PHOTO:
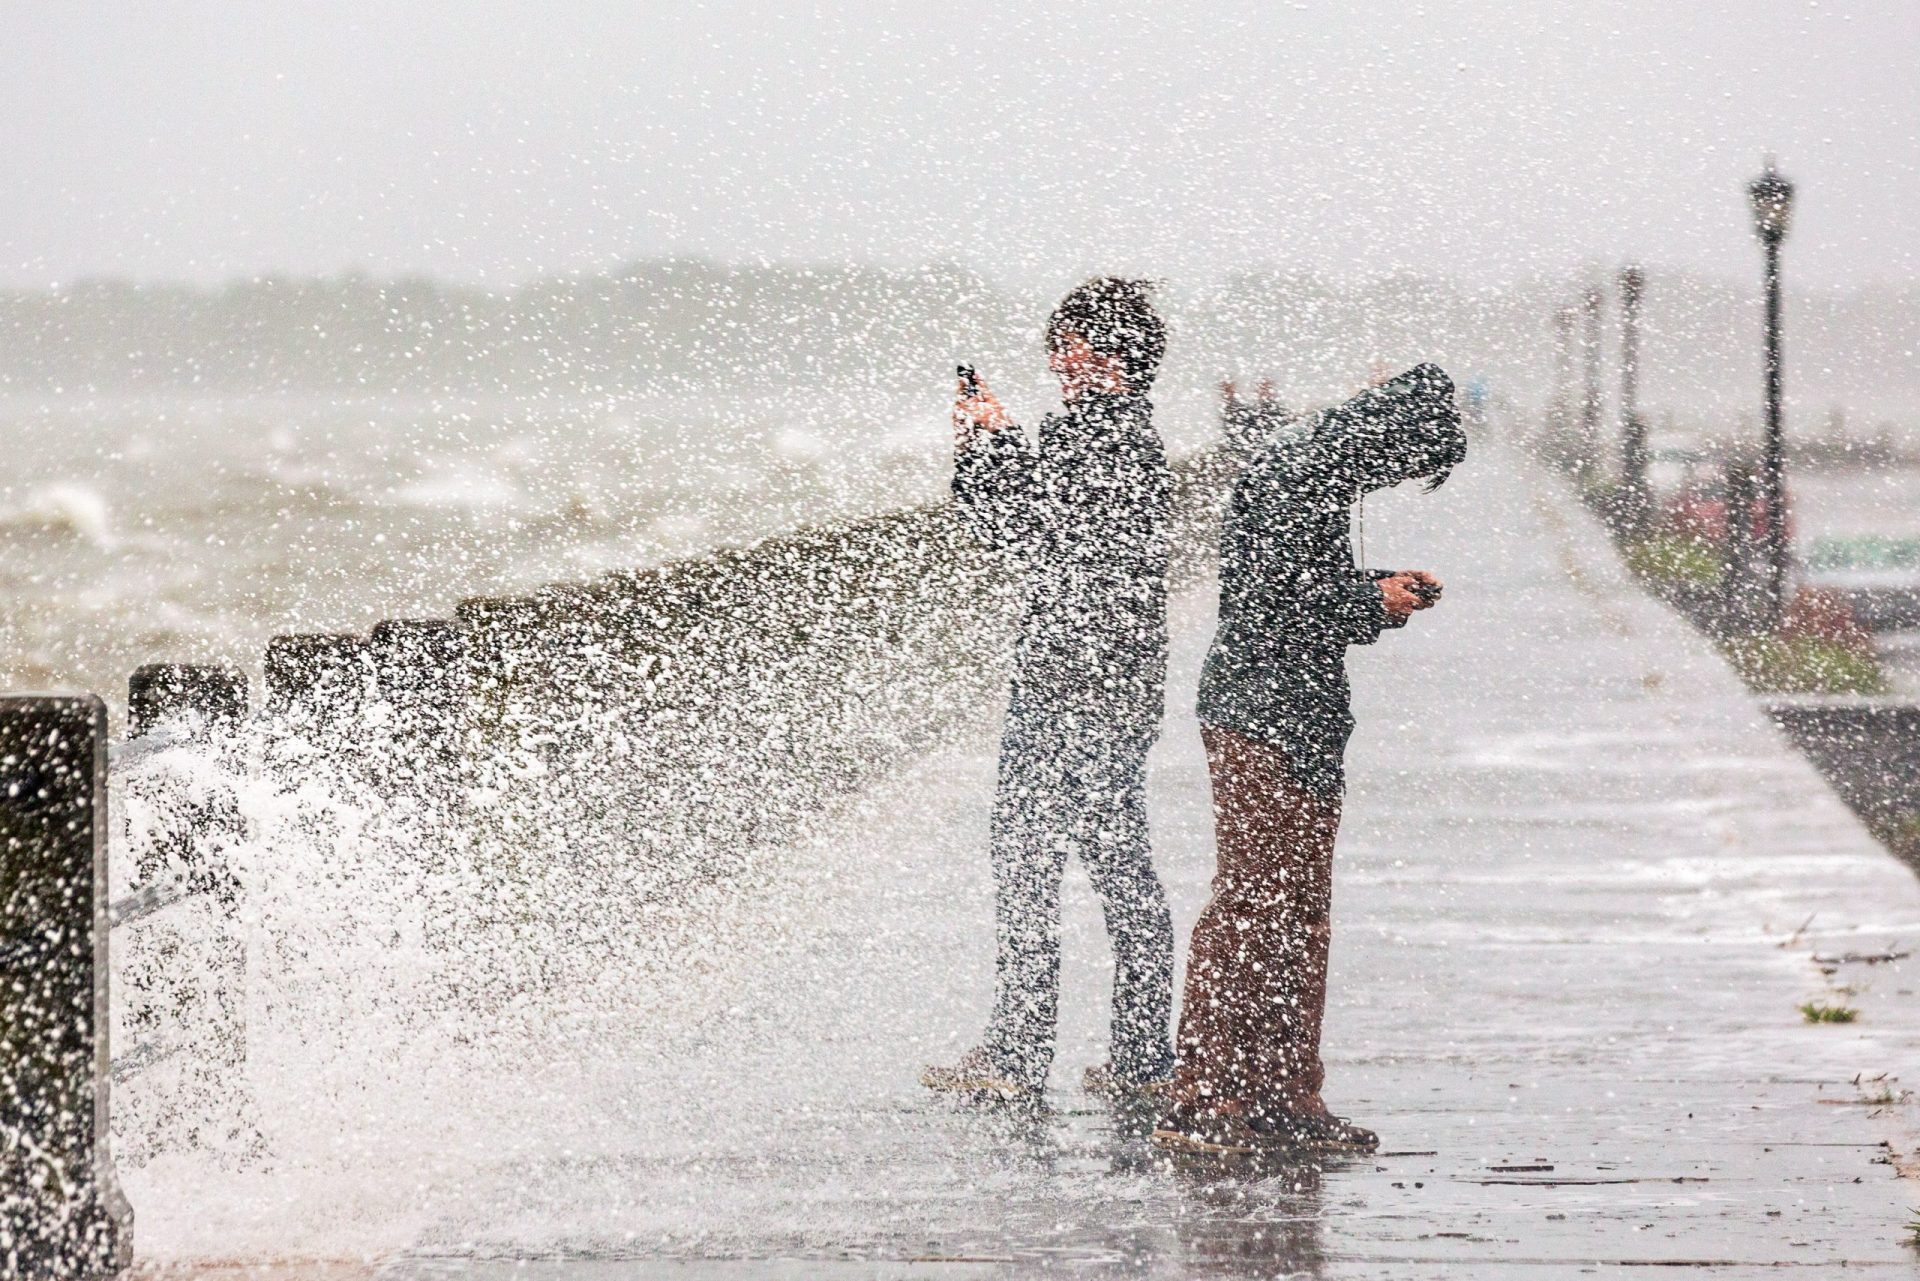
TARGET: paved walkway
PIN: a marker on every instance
(1580, 889)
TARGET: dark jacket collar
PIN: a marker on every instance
(1098, 414)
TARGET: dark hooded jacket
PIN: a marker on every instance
(1291, 599)
(1087, 512)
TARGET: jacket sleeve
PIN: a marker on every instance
(1334, 602)
(1374, 576)
(1406, 427)
(1349, 606)
(993, 485)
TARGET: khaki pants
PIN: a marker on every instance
(1249, 1038)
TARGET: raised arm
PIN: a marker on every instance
(993, 486)
(1347, 605)
(1406, 427)
(993, 466)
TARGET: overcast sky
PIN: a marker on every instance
(491, 141)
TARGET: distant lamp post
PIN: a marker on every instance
(1560, 411)
(1633, 429)
(1772, 198)
(1591, 303)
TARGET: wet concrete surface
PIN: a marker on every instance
(1579, 891)
(1900, 660)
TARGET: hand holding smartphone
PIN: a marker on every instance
(975, 408)
(1408, 591)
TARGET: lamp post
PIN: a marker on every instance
(1633, 429)
(1590, 393)
(1560, 411)
(1772, 199)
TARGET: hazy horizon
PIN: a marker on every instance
(1572, 275)
(493, 143)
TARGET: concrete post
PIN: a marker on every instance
(496, 711)
(421, 677)
(160, 692)
(187, 823)
(177, 825)
(568, 655)
(499, 631)
(60, 1204)
(318, 681)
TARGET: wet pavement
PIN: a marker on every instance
(1580, 891)
(1900, 659)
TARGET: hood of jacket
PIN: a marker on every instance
(1405, 428)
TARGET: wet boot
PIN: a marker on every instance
(1316, 1130)
(1102, 1082)
(976, 1077)
(1208, 1132)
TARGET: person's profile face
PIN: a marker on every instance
(1081, 369)
(1067, 356)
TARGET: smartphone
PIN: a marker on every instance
(969, 382)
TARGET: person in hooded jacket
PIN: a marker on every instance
(1274, 709)
(1246, 425)
(1085, 509)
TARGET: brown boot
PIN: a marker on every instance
(1216, 1132)
(1315, 1129)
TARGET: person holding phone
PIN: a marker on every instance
(1084, 507)
(1275, 716)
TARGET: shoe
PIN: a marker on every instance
(976, 1075)
(1199, 1132)
(1317, 1132)
(1101, 1083)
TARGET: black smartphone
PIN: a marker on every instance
(969, 382)
(1424, 590)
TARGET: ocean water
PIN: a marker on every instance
(194, 530)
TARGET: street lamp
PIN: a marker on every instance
(1772, 198)
(1560, 429)
(1633, 428)
(1591, 302)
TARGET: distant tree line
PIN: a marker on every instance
(653, 324)
(684, 322)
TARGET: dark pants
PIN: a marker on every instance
(1063, 794)
(1257, 969)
